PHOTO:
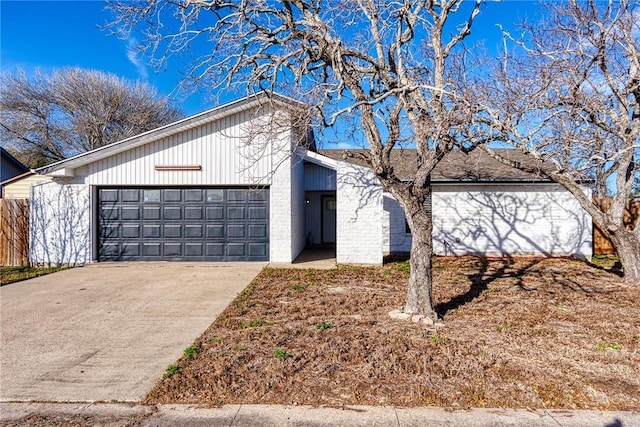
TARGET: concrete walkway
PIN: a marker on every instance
(275, 415)
(317, 258)
(107, 332)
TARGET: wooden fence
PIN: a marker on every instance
(14, 232)
(601, 243)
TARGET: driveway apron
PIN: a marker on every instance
(106, 332)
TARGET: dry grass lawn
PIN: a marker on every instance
(536, 333)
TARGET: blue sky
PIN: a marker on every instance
(54, 34)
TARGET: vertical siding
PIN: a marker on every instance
(218, 147)
(317, 178)
(298, 235)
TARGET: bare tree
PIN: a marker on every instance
(398, 68)
(569, 96)
(51, 117)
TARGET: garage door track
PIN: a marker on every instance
(106, 332)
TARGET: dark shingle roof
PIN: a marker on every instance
(456, 166)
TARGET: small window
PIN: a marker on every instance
(152, 196)
(330, 205)
(214, 196)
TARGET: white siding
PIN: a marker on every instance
(221, 148)
(496, 220)
(21, 188)
(359, 216)
(60, 224)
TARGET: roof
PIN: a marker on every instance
(456, 166)
(18, 177)
(8, 157)
(217, 113)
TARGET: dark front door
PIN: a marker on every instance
(328, 219)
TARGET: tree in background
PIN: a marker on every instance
(568, 95)
(48, 118)
(398, 69)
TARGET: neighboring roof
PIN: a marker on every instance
(6, 156)
(456, 166)
(18, 177)
(217, 113)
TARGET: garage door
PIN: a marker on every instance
(183, 224)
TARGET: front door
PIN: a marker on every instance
(328, 219)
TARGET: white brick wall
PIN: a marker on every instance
(511, 219)
(280, 221)
(394, 236)
(358, 216)
(496, 219)
(60, 224)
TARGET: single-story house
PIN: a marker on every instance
(241, 182)
(10, 167)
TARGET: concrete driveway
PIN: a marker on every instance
(106, 332)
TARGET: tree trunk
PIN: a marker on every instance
(419, 291)
(627, 245)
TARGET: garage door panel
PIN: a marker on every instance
(151, 231)
(193, 249)
(130, 231)
(110, 231)
(215, 196)
(109, 213)
(257, 250)
(258, 196)
(215, 212)
(151, 213)
(257, 213)
(151, 249)
(193, 196)
(172, 195)
(236, 249)
(236, 213)
(215, 231)
(192, 231)
(172, 249)
(193, 213)
(236, 231)
(128, 213)
(109, 195)
(213, 224)
(215, 250)
(170, 213)
(131, 250)
(151, 195)
(235, 196)
(172, 231)
(130, 195)
(257, 231)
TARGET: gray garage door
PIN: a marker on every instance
(183, 224)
